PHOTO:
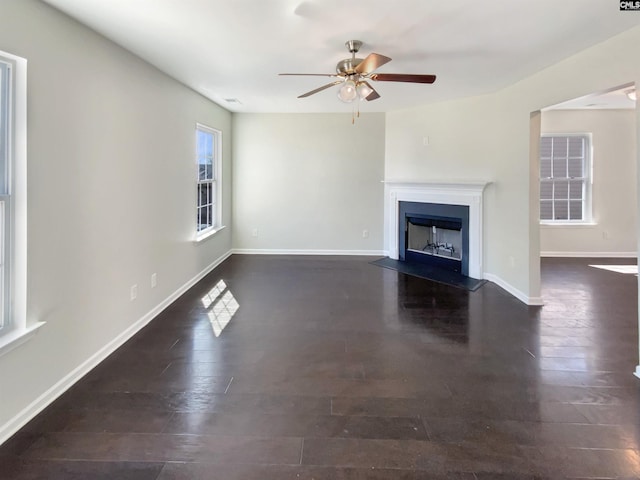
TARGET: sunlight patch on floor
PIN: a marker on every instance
(626, 269)
(221, 306)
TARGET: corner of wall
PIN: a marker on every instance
(523, 297)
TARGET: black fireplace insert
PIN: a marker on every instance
(435, 234)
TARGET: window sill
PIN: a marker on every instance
(568, 224)
(208, 234)
(17, 337)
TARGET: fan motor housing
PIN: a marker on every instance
(348, 65)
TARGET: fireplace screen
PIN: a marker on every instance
(440, 238)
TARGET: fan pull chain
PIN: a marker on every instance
(355, 113)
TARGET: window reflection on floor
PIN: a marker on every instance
(627, 269)
(221, 306)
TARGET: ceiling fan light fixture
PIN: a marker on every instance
(364, 90)
(632, 94)
(353, 75)
(347, 91)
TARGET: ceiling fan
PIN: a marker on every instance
(353, 73)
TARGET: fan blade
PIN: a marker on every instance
(371, 62)
(324, 87)
(373, 95)
(311, 74)
(401, 77)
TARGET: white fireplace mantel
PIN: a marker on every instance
(460, 193)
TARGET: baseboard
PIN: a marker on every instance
(590, 254)
(524, 298)
(33, 409)
(267, 251)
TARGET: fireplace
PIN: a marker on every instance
(435, 234)
(437, 223)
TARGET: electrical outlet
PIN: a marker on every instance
(134, 292)
(365, 233)
(254, 232)
(154, 280)
(605, 235)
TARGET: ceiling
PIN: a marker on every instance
(234, 49)
(614, 99)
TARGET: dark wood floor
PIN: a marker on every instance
(332, 368)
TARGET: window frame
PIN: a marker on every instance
(215, 182)
(7, 109)
(587, 179)
(17, 328)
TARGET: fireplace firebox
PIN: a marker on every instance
(434, 234)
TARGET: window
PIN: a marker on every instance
(13, 203)
(6, 69)
(208, 157)
(565, 178)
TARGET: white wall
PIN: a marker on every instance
(308, 182)
(614, 185)
(111, 197)
(469, 141)
(488, 138)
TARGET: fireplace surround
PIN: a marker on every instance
(444, 195)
